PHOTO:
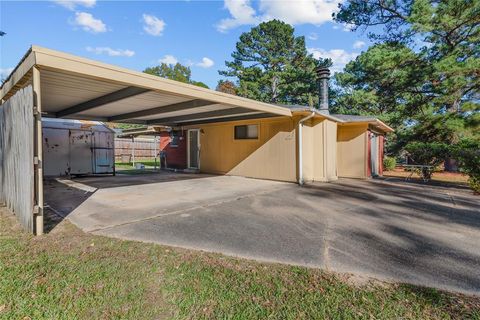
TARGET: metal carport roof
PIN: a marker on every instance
(78, 88)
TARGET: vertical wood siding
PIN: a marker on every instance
(144, 147)
(16, 156)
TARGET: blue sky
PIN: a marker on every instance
(136, 35)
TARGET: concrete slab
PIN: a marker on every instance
(261, 226)
(390, 230)
(110, 207)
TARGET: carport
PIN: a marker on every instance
(48, 83)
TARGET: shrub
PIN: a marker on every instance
(389, 163)
(467, 153)
(474, 183)
(428, 153)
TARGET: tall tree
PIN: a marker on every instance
(388, 80)
(444, 36)
(176, 72)
(424, 69)
(227, 86)
(271, 64)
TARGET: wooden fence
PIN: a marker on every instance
(16, 156)
(142, 148)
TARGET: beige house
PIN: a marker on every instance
(226, 134)
(329, 148)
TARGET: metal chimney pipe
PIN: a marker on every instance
(323, 75)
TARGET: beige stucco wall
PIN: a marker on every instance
(320, 150)
(274, 154)
(271, 156)
(331, 147)
(352, 151)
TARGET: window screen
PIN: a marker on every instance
(246, 132)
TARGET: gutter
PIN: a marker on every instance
(300, 147)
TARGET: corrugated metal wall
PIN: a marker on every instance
(16, 156)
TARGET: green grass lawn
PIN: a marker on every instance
(128, 168)
(147, 163)
(68, 274)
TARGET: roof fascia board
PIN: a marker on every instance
(23, 67)
(375, 123)
(354, 123)
(376, 129)
(384, 126)
(62, 61)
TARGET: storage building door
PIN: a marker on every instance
(81, 152)
(103, 152)
(56, 152)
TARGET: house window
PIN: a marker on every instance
(174, 137)
(246, 132)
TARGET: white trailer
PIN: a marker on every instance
(76, 147)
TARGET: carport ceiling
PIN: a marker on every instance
(78, 88)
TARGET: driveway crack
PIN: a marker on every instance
(196, 207)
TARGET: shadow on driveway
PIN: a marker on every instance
(427, 235)
(388, 229)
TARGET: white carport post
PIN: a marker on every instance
(155, 150)
(133, 151)
(37, 153)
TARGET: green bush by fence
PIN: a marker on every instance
(389, 163)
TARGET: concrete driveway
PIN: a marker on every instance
(386, 229)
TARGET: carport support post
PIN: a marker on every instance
(133, 151)
(37, 154)
(155, 150)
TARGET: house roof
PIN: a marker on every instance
(343, 118)
(354, 118)
(299, 108)
(78, 88)
(370, 120)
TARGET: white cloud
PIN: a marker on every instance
(241, 12)
(153, 25)
(168, 59)
(358, 44)
(339, 57)
(313, 36)
(5, 72)
(111, 52)
(72, 4)
(206, 63)
(314, 12)
(347, 27)
(89, 23)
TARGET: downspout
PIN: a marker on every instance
(300, 147)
